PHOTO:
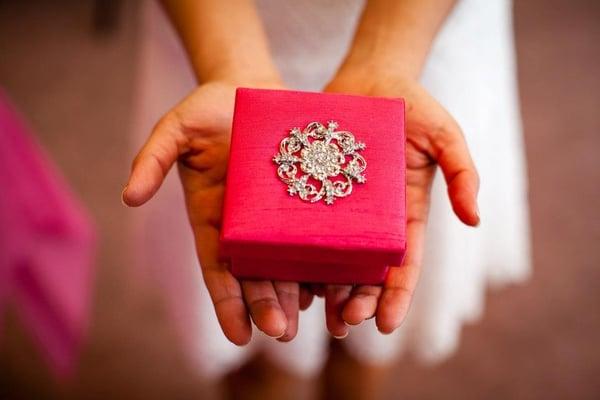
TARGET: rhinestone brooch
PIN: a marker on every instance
(328, 159)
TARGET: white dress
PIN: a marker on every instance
(471, 71)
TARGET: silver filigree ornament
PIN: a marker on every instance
(328, 159)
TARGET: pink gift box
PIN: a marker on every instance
(268, 233)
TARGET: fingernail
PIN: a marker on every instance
(278, 337)
(341, 336)
(123, 196)
(478, 215)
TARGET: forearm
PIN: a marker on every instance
(396, 35)
(224, 39)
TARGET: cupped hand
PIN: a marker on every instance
(196, 134)
(433, 138)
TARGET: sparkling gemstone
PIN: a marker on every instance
(322, 154)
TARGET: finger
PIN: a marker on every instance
(288, 296)
(318, 289)
(264, 306)
(153, 162)
(223, 287)
(401, 281)
(452, 154)
(306, 297)
(362, 304)
(335, 299)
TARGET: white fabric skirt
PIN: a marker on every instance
(471, 71)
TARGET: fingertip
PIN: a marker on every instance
(318, 290)
(306, 303)
(273, 323)
(464, 204)
(463, 189)
(336, 297)
(287, 336)
(469, 218)
(305, 298)
(388, 322)
(351, 314)
(392, 310)
(289, 294)
(239, 339)
(342, 336)
(340, 330)
(123, 200)
(362, 304)
(140, 188)
(230, 310)
(131, 196)
(238, 330)
(386, 329)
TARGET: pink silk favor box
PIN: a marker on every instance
(268, 233)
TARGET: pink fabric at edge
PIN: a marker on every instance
(47, 246)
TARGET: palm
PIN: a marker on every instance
(433, 137)
(196, 133)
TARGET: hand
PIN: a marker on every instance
(196, 134)
(433, 138)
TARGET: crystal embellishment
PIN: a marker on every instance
(320, 162)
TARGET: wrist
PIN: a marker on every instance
(371, 63)
(394, 37)
(240, 73)
(368, 74)
(242, 79)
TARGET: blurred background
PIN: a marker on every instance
(70, 70)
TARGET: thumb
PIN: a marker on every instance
(459, 170)
(153, 162)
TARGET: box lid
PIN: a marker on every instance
(262, 220)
